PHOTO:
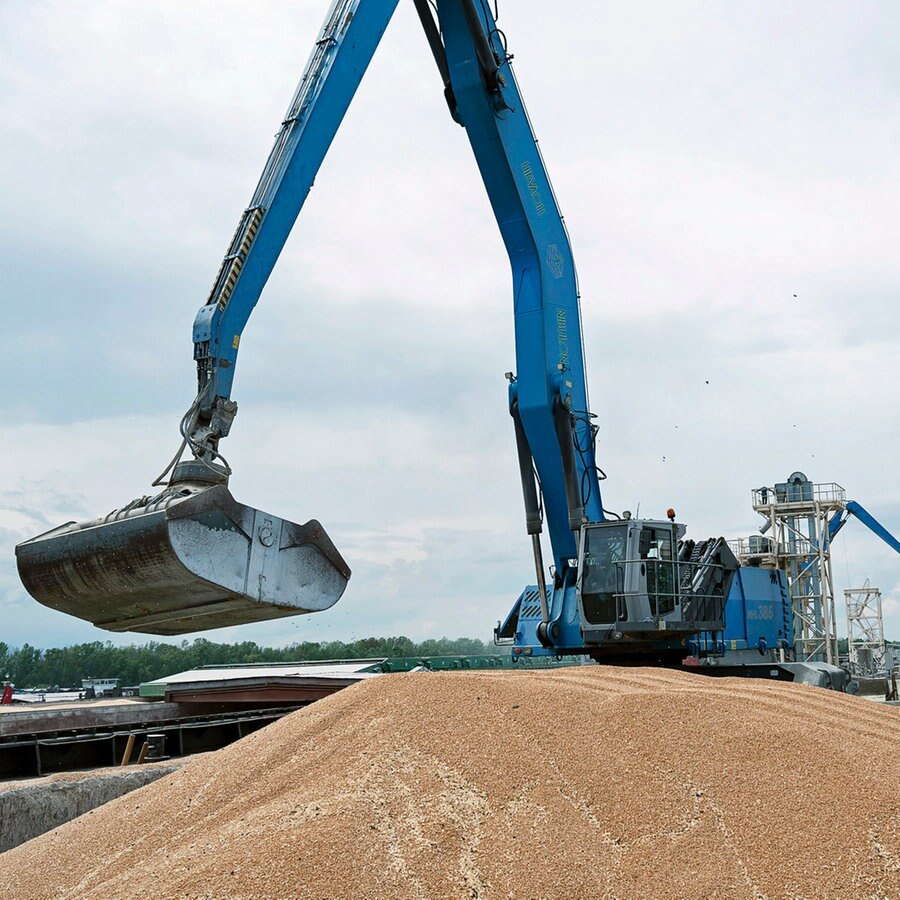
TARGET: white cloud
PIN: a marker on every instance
(711, 161)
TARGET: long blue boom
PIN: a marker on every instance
(349, 38)
(192, 557)
(548, 393)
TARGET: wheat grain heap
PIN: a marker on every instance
(580, 782)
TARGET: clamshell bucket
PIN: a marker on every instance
(189, 559)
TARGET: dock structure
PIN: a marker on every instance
(191, 712)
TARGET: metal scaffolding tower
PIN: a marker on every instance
(865, 631)
(804, 518)
(799, 514)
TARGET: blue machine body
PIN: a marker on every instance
(758, 613)
(758, 622)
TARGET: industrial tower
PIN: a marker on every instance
(801, 518)
(804, 519)
(865, 631)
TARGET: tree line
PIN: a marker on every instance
(31, 667)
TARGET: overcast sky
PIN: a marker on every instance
(729, 176)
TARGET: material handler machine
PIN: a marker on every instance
(191, 557)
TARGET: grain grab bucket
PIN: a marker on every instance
(189, 559)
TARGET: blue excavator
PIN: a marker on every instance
(190, 557)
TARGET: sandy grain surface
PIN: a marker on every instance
(583, 782)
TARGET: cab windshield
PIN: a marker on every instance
(602, 572)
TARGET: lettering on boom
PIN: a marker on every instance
(531, 183)
(562, 335)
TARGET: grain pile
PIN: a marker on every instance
(583, 782)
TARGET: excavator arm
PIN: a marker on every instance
(191, 557)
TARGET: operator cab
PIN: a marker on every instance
(637, 577)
